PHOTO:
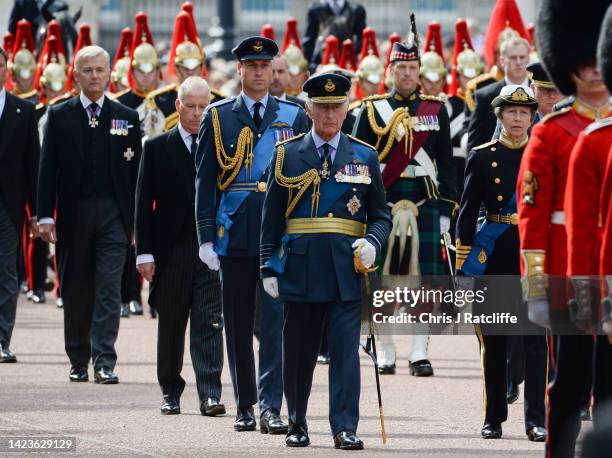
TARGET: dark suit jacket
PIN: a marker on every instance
(233, 117)
(19, 153)
(483, 121)
(349, 24)
(62, 165)
(319, 267)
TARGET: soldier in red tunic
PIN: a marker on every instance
(578, 372)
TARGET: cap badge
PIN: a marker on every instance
(258, 46)
(329, 86)
(519, 95)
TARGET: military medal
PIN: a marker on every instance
(93, 122)
(353, 205)
(128, 154)
(324, 172)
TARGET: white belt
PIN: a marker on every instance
(412, 171)
(557, 217)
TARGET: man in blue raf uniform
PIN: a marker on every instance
(237, 140)
(325, 198)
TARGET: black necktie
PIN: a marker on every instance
(326, 153)
(194, 144)
(256, 115)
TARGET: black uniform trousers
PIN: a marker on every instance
(130, 280)
(9, 289)
(305, 323)
(584, 365)
(188, 290)
(39, 259)
(91, 285)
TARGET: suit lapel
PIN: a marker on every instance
(78, 114)
(108, 113)
(344, 154)
(308, 152)
(7, 122)
(269, 114)
(243, 113)
(179, 154)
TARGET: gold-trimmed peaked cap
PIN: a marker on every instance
(256, 48)
(515, 94)
(539, 76)
(327, 88)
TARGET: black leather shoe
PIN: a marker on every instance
(512, 392)
(245, 419)
(38, 296)
(387, 369)
(105, 376)
(135, 308)
(421, 368)
(153, 312)
(297, 436)
(347, 440)
(211, 407)
(170, 405)
(323, 358)
(585, 414)
(6, 355)
(125, 311)
(271, 423)
(490, 431)
(537, 434)
(78, 374)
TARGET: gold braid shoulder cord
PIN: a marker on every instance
(401, 116)
(233, 163)
(301, 182)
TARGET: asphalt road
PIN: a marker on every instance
(438, 416)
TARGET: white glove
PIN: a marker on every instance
(208, 256)
(538, 312)
(270, 285)
(444, 224)
(368, 252)
(465, 283)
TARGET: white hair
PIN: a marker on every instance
(190, 84)
(89, 52)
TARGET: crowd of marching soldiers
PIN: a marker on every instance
(457, 104)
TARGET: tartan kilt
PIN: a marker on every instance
(428, 221)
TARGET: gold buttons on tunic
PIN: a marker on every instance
(497, 181)
(500, 198)
(493, 164)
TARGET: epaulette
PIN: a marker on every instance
(163, 90)
(357, 140)
(473, 83)
(60, 98)
(432, 98)
(485, 145)
(371, 98)
(599, 124)
(355, 104)
(116, 95)
(288, 102)
(290, 139)
(217, 94)
(554, 114)
(218, 103)
(27, 95)
(39, 106)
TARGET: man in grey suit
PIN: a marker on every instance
(182, 287)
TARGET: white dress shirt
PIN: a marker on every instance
(85, 101)
(319, 142)
(2, 100)
(250, 103)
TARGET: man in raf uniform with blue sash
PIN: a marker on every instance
(237, 139)
(325, 198)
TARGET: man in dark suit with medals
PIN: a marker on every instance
(18, 169)
(237, 140)
(87, 179)
(325, 198)
(182, 286)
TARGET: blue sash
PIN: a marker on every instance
(484, 242)
(331, 191)
(262, 155)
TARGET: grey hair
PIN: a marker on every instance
(513, 41)
(89, 52)
(191, 83)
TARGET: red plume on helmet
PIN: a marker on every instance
(504, 14)
(187, 7)
(267, 31)
(347, 59)
(531, 28)
(393, 38)
(8, 40)
(84, 39)
(23, 38)
(368, 45)
(142, 34)
(184, 30)
(331, 55)
(53, 30)
(123, 50)
(291, 35)
(462, 41)
(433, 40)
